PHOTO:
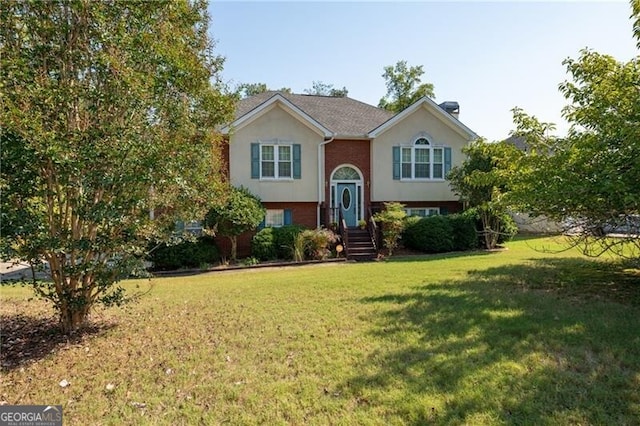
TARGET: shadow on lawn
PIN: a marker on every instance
(25, 339)
(523, 344)
(421, 257)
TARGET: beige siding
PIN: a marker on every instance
(276, 124)
(384, 188)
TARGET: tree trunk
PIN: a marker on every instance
(234, 248)
(72, 300)
(73, 318)
(490, 229)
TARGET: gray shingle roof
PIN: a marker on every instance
(519, 142)
(343, 116)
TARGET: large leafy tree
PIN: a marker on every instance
(241, 212)
(589, 179)
(246, 90)
(108, 113)
(324, 89)
(482, 182)
(404, 86)
(635, 16)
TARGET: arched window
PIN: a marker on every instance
(346, 173)
(422, 160)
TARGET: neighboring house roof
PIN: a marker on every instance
(518, 142)
(340, 117)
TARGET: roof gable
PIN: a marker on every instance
(435, 109)
(277, 99)
(341, 116)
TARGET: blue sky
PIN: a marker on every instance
(488, 56)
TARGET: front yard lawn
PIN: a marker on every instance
(512, 337)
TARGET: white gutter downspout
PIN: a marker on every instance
(321, 177)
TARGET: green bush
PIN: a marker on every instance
(508, 226)
(263, 244)
(188, 254)
(407, 233)
(275, 243)
(465, 236)
(432, 234)
(314, 244)
(391, 220)
(283, 240)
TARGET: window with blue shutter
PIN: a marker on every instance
(275, 218)
(276, 159)
(396, 163)
(255, 161)
(447, 161)
(421, 161)
(297, 161)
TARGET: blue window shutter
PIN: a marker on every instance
(262, 224)
(288, 217)
(447, 161)
(396, 163)
(297, 163)
(255, 161)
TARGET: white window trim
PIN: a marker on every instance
(436, 210)
(359, 195)
(273, 224)
(275, 143)
(431, 147)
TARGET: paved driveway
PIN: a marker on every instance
(13, 271)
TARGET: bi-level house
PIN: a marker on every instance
(320, 160)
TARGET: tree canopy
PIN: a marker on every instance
(246, 90)
(482, 182)
(109, 113)
(323, 89)
(241, 212)
(588, 179)
(404, 86)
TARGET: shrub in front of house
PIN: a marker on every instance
(275, 243)
(432, 234)
(508, 227)
(314, 244)
(284, 238)
(187, 254)
(263, 246)
(465, 236)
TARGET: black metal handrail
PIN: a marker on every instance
(373, 229)
(343, 231)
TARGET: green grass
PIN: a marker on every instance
(519, 336)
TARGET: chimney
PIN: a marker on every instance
(452, 107)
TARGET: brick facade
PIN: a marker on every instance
(354, 152)
(303, 214)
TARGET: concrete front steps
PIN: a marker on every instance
(360, 246)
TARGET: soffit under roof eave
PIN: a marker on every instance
(352, 137)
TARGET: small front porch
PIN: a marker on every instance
(360, 239)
